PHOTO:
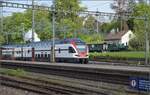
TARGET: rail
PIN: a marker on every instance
(44, 87)
(114, 75)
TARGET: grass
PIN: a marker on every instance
(12, 72)
(121, 55)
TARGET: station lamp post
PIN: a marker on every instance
(1, 17)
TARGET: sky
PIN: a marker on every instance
(92, 5)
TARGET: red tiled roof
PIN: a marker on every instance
(115, 36)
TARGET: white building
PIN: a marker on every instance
(120, 37)
(28, 36)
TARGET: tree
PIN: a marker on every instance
(13, 25)
(141, 9)
(66, 16)
(1, 39)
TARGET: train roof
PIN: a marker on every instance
(75, 40)
(11, 46)
(46, 43)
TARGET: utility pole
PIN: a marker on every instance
(97, 16)
(22, 27)
(53, 24)
(1, 18)
(33, 23)
(146, 41)
(7, 34)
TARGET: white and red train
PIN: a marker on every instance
(67, 50)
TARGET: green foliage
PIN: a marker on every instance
(89, 24)
(13, 25)
(141, 9)
(119, 55)
(68, 22)
(136, 44)
(12, 72)
(93, 38)
(1, 39)
(68, 25)
(107, 27)
(72, 6)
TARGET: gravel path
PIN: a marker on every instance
(13, 91)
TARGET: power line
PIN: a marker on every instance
(45, 8)
(52, 0)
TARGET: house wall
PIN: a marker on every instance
(127, 37)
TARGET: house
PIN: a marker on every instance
(122, 37)
(28, 36)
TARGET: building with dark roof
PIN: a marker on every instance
(122, 37)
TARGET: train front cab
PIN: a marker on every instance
(82, 51)
(71, 53)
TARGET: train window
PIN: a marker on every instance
(71, 50)
(48, 55)
(45, 55)
(19, 51)
(38, 55)
(42, 55)
(28, 51)
(59, 50)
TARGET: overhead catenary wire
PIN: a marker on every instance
(45, 8)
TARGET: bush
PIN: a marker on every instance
(136, 44)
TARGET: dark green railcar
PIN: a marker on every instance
(116, 47)
(106, 47)
(95, 47)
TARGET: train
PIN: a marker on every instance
(105, 47)
(66, 50)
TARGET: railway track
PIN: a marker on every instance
(73, 72)
(117, 64)
(44, 87)
(113, 76)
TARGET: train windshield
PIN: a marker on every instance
(81, 48)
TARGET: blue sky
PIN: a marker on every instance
(92, 5)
